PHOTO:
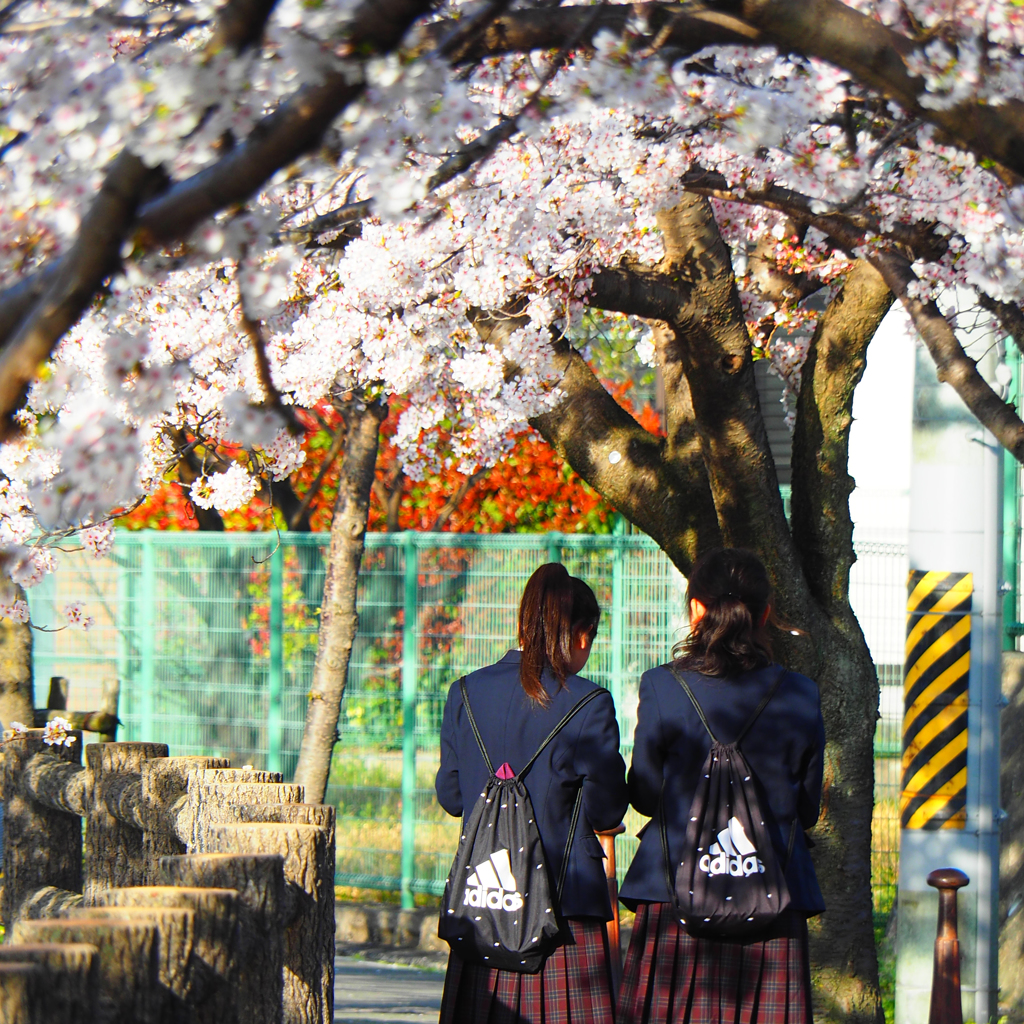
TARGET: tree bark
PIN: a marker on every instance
(338, 616)
(71, 979)
(42, 845)
(216, 956)
(259, 883)
(20, 988)
(308, 974)
(127, 962)
(115, 855)
(16, 697)
(717, 457)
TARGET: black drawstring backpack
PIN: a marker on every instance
(498, 907)
(729, 883)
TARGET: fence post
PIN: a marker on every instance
(554, 540)
(147, 638)
(275, 677)
(618, 633)
(409, 681)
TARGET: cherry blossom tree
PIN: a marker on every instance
(216, 215)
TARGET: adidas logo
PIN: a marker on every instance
(734, 854)
(493, 885)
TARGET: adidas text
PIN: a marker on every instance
(734, 854)
(492, 885)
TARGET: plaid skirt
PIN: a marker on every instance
(671, 977)
(573, 987)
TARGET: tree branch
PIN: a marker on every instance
(953, 364)
(314, 488)
(455, 500)
(95, 255)
(822, 527)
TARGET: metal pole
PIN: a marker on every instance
(410, 669)
(949, 804)
(147, 640)
(946, 1004)
(275, 674)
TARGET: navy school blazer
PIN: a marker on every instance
(785, 747)
(585, 753)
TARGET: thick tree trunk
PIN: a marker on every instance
(16, 698)
(338, 616)
(716, 457)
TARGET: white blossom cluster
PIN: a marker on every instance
(521, 235)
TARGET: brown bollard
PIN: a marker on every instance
(946, 1007)
(607, 840)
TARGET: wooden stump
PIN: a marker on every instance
(308, 979)
(71, 979)
(47, 902)
(127, 951)
(259, 881)
(114, 853)
(215, 961)
(175, 942)
(200, 780)
(227, 803)
(164, 784)
(42, 846)
(20, 987)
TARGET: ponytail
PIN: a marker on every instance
(732, 635)
(555, 609)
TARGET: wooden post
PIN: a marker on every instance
(308, 980)
(231, 803)
(20, 985)
(127, 950)
(58, 698)
(42, 846)
(111, 693)
(216, 955)
(199, 782)
(70, 991)
(114, 850)
(946, 1007)
(259, 881)
(164, 785)
(607, 841)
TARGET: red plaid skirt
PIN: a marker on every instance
(670, 977)
(573, 987)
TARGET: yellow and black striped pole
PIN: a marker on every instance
(938, 660)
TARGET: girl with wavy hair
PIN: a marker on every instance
(670, 975)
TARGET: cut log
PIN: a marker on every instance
(164, 787)
(42, 846)
(127, 950)
(20, 985)
(114, 853)
(259, 881)
(308, 979)
(48, 902)
(176, 928)
(216, 959)
(110, 696)
(199, 781)
(226, 803)
(56, 783)
(71, 979)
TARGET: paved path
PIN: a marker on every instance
(366, 992)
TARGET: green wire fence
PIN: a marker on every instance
(213, 637)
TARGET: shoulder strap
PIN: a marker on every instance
(569, 716)
(753, 718)
(472, 725)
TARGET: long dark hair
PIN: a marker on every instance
(732, 635)
(555, 608)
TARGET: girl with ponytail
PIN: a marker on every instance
(671, 976)
(516, 703)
